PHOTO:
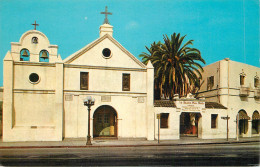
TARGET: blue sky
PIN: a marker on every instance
(219, 28)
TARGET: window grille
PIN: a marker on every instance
(126, 82)
(83, 80)
(164, 120)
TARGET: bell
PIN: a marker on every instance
(44, 55)
(25, 54)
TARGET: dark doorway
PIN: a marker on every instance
(243, 122)
(255, 123)
(105, 122)
(190, 124)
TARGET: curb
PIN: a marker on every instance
(141, 145)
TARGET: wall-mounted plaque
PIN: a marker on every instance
(105, 98)
(140, 99)
(68, 97)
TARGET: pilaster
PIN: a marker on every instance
(149, 102)
(224, 81)
(249, 133)
(8, 113)
(59, 120)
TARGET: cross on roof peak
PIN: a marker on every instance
(35, 25)
(106, 13)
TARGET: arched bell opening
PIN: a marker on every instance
(44, 56)
(255, 123)
(243, 122)
(190, 124)
(105, 122)
(24, 55)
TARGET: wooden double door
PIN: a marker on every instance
(105, 122)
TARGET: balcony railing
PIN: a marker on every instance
(257, 93)
(244, 91)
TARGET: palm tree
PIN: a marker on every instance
(177, 68)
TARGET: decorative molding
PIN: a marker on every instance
(219, 89)
(223, 95)
(34, 91)
(34, 127)
(43, 64)
(104, 92)
(104, 68)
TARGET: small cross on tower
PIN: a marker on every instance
(35, 25)
(106, 13)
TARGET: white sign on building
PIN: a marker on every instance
(190, 106)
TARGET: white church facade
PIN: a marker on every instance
(43, 95)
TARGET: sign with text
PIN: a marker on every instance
(190, 106)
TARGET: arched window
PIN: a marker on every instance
(255, 123)
(256, 82)
(44, 56)
(34, 40)
(24, 55)
(242, 78)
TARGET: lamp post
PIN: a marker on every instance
(89, 101)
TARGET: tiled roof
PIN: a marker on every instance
(164, 103)
(169, 103)
(214, 105)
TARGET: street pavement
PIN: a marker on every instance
(81, 142)
(232, 154)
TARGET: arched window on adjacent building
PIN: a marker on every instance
(256, 82)
(24, 55)
(255, 123)
(243, 122)
(44, 56)
(242, 78)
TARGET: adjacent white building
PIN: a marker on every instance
(236, 86)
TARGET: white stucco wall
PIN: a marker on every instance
(220, 130)
(32, 111)
(130, 115)
(227, 75)
(173, 130)
(106, 80)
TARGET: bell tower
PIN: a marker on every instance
(34, 46)
(106, 28)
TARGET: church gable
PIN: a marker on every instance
(105, 51)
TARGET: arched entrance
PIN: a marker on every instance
(255, 122)
(243, 122)
(105, 122)
(190, 124)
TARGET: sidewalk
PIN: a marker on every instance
(75, 143)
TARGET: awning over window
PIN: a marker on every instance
(256, 116)
(243, 115)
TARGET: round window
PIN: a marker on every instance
(106, 52)
(34, 78)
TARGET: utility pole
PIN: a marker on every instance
(158, 117)
(226, 118)
(237, 126)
